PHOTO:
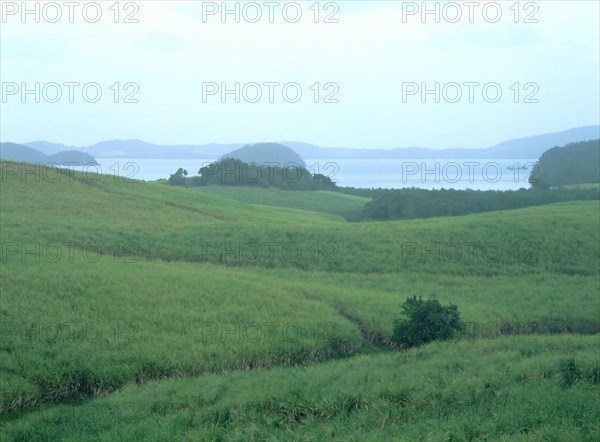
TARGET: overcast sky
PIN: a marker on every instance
(374, 61)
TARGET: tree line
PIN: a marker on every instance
(412, 203)
(233, 172)
(575, 163)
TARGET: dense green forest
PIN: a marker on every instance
(572, 164)
(421, 203)
(233, 172)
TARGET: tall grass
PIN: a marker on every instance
(108, 284)
(501, 390)
(160, 222)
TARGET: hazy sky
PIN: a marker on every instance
(375, 61)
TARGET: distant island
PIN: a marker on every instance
(260, 165)
(266, 153)
(518, 148)
(25, 154)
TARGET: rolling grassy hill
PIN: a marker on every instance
(505, 389)
(334, 203)
(154, 221)
(108, 284)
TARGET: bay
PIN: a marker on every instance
(459, 174)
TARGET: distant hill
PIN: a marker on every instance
(25, 154)
(21, 154)
(262, 153)
(518, 148)
(574, 163)
(72, 156)
(49, 148)
(534, 147)
(142, 149)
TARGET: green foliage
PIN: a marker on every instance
(426, 321)
(569, 372)
(173, 224)
(572, 372)
(572, 164)
(69, 331)
(322, 201)
(583, 186)
(421, 203)
(233, 172)
(178, 178)
(464, 391)
(135, 354)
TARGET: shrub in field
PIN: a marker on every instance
(570, 373)
(426, 321)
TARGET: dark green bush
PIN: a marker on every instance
(178, 178)
(570, 373)
(426, 321)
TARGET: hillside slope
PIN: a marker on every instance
(108, 282)
(174, 224)
(334, 203)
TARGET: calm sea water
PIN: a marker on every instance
(483, 174)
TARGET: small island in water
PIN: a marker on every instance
(257, 165)
(24, 154)
(273, 154)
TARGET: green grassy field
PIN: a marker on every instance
(504, 389)
(583, 186)
(155, 221)
(334, 203)
(214, 315)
